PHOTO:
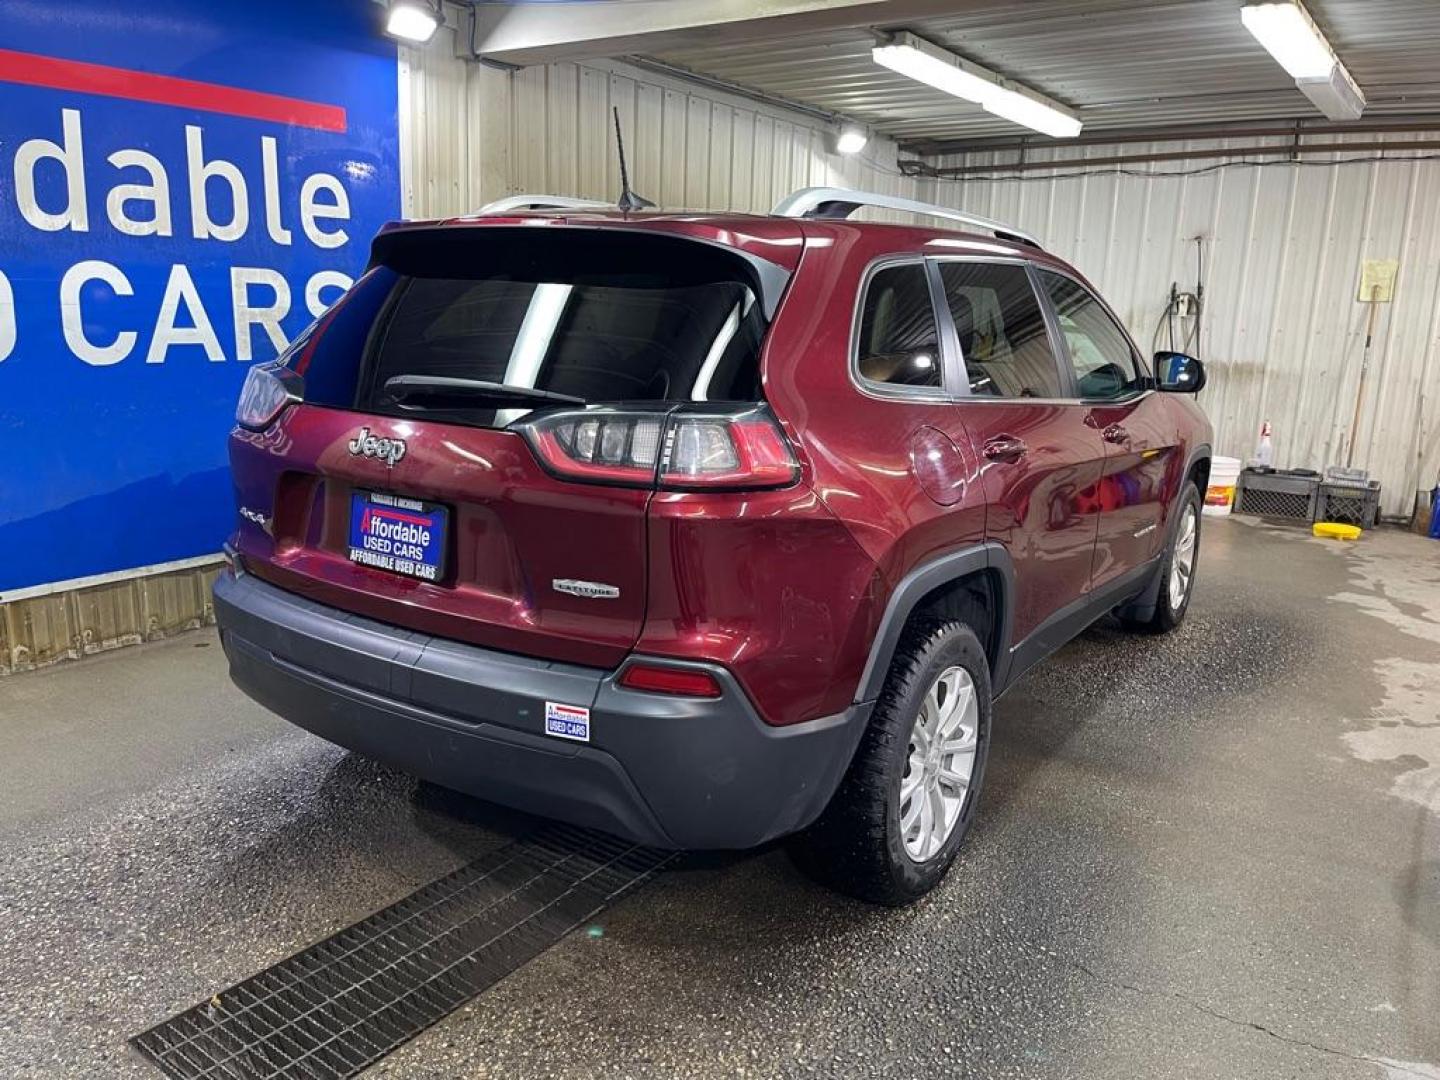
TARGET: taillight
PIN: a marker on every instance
(747, 450)
(607, 445)
(686, 682)
(268, 389)
(689, 447)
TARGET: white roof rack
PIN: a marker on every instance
(511, 203)
(831, 202)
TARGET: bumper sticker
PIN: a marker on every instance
(567, 721)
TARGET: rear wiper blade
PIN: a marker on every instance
(440, 388)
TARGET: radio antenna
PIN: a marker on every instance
(628, 199)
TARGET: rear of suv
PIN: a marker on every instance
(703, 530)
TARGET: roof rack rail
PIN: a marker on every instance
(832, 202)
(540, 202)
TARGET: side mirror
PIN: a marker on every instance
(1176, 373)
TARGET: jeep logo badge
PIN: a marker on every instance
(387, 450)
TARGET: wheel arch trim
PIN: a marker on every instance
(919, 583)
(1197, 454)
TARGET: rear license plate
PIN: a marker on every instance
(404, 536)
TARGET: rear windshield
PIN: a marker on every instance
(605, 318)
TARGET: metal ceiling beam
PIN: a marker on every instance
(1393, 124)
(545, 33)
(958, 172)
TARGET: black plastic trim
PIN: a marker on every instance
(667, 771)
(1074, 617)
(923, 580)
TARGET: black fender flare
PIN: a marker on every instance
(1197, 454)
(920, 582)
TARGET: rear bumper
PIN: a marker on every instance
(666, 771)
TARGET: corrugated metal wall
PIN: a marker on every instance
(1283, 331)
(471, 134)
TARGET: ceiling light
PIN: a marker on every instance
(1026, 111)
(924, 66)
(851, 140)
(918, 59)
(1291, 37)
(411, 21)
(1337, 96)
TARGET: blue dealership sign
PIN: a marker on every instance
(183, 187)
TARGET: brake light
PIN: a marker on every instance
(727, 451)
(690, 447)
(685, 682)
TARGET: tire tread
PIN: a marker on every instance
(848, 848)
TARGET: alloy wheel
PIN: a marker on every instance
(1182, 563)
(940, 765)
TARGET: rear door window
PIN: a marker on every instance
(1004, 342)
(899, 344)
(1105, 364)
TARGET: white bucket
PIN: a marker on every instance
(1220, 494)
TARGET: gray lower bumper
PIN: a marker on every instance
(665, 771)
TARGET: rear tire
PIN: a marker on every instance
(894, 826)
(1177, 570)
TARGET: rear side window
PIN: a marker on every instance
(899, 344)
(601, 316)
(1003, 338)
(1104, 363)
(328, 352)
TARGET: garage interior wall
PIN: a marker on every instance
(470, 134)
(1283, 326)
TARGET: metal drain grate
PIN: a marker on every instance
(338, 1006)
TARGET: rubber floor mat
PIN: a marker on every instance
(346, 1002)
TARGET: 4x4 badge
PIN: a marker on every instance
(387, 450)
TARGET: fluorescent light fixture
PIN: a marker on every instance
(411, 21)
(851, 140)
(1291, 37)
(919, 62)
(1337, 97)
(1020, 108)
(918, 59)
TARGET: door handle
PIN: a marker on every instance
(1115, 434)
(1004, 448)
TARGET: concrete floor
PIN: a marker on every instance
(1214, 854)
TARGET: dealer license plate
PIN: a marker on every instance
(403, 536)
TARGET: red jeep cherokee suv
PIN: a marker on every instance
(704, 529)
